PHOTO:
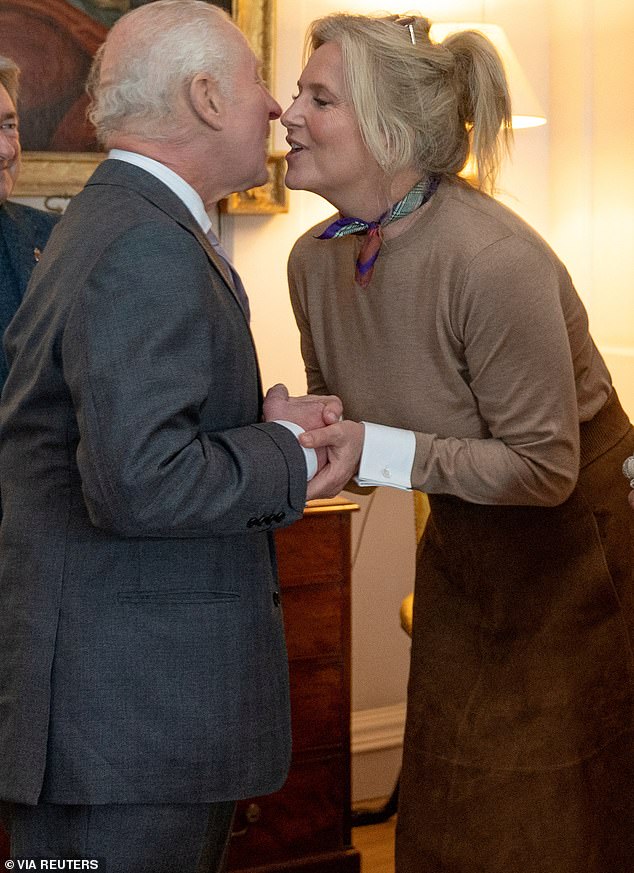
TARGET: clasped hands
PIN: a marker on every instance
(338, 444)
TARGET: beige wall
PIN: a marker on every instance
(592, 190)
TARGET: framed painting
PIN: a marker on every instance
(54, 42)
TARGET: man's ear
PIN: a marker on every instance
(206, 100)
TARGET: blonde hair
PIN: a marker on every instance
(9, 77)
(424, 105)
(174, 40)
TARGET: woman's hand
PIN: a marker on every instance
(343, 443)
(310, 412)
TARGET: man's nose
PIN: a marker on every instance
(275, 110)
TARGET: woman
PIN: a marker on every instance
(450, 322)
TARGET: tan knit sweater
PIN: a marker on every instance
(471, 334)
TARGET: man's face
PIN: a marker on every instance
(9, 145)
(252, 109)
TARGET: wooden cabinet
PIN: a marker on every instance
(305, 827)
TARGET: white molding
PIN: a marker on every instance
(619, 351)
(377, 742)
(373, 730)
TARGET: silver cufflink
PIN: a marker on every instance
(628, 469)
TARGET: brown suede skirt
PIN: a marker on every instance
(519, 745)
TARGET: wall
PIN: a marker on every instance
(383, 530)
(592, 191)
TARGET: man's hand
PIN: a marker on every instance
(343, 442)
(310, 411)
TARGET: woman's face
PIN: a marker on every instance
(328, 155)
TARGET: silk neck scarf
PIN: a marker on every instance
(414, 199)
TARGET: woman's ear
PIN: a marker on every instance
(206, 100)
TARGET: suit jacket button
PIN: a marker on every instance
(276, 598)
(279, 516)
(252, 522)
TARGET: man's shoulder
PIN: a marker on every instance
(119, 191)
(28, 217)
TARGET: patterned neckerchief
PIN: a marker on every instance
(414, 199)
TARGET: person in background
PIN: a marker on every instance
(461, 353)
(143, 669)
(24, 231)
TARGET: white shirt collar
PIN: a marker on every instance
(174, 182)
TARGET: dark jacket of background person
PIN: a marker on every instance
(23, 234)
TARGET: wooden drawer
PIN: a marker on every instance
(317, 717)
(304, 818)
(313, 619)
(314, 549)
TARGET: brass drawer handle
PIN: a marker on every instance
(252, 815)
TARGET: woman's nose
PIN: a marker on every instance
(289, 116)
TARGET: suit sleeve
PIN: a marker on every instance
(142, 345)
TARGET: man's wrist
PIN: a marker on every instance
(309, 454)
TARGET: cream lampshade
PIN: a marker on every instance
(527, 111)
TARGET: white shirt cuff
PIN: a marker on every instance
(309, 454)
(387, 457)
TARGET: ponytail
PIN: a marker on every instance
(484, 103)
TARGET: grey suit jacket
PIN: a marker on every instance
(142, 654)
(23, 234)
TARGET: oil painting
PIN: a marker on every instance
(53, 43)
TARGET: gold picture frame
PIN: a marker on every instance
(63, 174)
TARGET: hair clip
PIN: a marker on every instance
(408, 22)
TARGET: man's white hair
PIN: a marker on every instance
(172, 41)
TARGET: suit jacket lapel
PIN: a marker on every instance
(214, 257)
(113, 172)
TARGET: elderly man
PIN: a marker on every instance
(23, 231)
(143, 674)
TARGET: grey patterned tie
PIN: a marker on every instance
(238, 287)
